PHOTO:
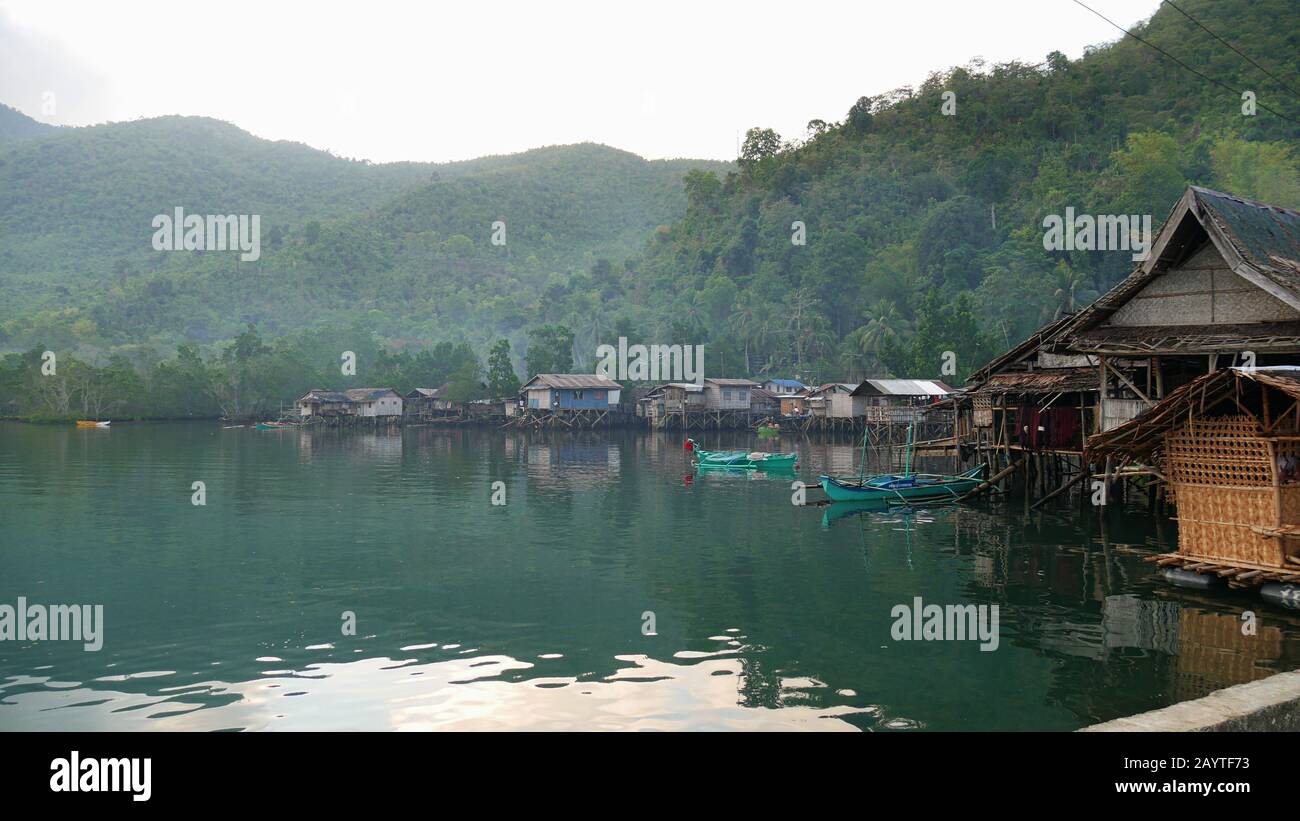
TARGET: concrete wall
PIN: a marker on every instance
(1270, 704)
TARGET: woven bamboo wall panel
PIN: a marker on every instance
(1223, 451)
(1289, 504)
(1214, 525)
(983, 415)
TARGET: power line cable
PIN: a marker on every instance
(1181, 63)
(1245, 56)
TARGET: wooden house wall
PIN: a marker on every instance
(539, 398)
(847, 406)
(734, 398)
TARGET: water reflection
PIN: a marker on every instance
(529, 615)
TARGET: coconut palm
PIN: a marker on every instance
(801, 307)
(1070, 291)
(883, 322)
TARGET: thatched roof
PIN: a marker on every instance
(1040, 338)
(1140, 436)
(1257, 241)
(1049, 380)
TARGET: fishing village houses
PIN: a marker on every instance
(1178, 388)
(571, 400)
(1182, 381)
(375, 405)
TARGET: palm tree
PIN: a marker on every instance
(801, 307)
(1070, 291)
(882, 322)
(743, 321)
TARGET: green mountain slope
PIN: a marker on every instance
(16, 127)
(924, 231)
(81, 199)
(403, 246)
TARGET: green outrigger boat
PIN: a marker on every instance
(903, 487)
(742, 459)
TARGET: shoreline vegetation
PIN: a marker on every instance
(251, 380)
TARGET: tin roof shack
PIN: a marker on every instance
(375, 402)
(320, 402)
(784, 387)
(674, 398)
(571, 392)
(763, 401)
(727, 394)
(419, 403)
(820, 398)
(428, 403)
(891, 400)
(1228, 446)
(793, 404)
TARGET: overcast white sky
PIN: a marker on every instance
(446, 81)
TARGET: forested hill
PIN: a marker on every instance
(80, 200)
(403, 248)
(16, 127)
(924, 231)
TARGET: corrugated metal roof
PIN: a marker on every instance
(571, 381)
(731, 382)
(827, 387)
(368, 394)
(322, 395)
(904, 387)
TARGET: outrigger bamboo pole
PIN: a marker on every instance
(1062, 489)
(1002, 474)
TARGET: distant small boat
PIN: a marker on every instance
(273, 425)
(86, 423)
(742, 459)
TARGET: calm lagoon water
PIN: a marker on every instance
(530, 615)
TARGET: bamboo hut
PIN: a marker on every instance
(1228, 446)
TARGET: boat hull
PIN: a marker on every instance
(921, 487)
(777, 461)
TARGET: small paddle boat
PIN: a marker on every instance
(87, 423)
